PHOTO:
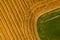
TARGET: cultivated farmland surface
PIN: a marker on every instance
(18, 18)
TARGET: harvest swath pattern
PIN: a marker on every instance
(18, 18)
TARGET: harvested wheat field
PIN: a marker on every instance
(29, 19)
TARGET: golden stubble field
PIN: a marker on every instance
(18, 18)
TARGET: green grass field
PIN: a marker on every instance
(48, 25)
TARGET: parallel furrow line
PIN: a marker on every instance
(15, 18)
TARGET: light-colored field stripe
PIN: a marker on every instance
(11, 27)
(3, 27)
(52, 18)
(2, 35)
(13, 24)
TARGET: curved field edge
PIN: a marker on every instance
(41, 20)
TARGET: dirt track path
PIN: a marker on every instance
(18, 18)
